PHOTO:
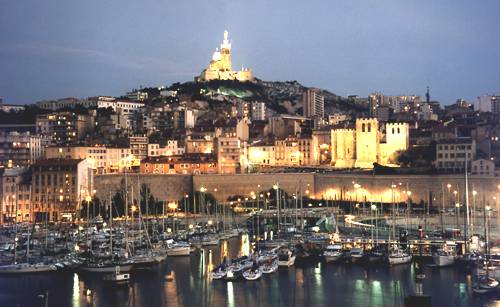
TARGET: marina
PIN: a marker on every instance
(186, 281)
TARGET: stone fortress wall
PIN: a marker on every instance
(321, 186)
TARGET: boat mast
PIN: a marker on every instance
(110, 226)
(466, 204)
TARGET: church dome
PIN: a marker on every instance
(216, 56)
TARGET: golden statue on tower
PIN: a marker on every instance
(220, 67)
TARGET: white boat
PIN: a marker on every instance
(399, 256)
(266, 256)
(117, 276)
(174, 249)
(444, 258)
(252, 274)
(333, 253)
(356, 254)
(219, 272)
(26, 268)
(269, 268)
(286, 258)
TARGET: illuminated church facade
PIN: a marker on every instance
(220, 67)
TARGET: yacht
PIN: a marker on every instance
(399, 256)
(286, 258)
(26, 268)
(333, 253)
(356, 254)
(444, 257)
(253, 274)
(174, 249)
(269, 268)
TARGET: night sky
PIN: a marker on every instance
(53, 49)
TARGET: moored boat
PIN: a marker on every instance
(269, 268)
(286, 258)
(333, 253)
(356, 254)
(27, 268)
(253, 274)
(117, 276)
(398, 256)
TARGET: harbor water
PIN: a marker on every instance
(184, 281)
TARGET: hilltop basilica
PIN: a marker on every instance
(220, 66)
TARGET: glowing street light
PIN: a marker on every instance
(374, 207)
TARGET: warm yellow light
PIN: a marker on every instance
(457, 205)
(275, 186)
(209, 222)
(357, 186)
(448, 185)
(474, 193)
(172, 206)
(455, 192)
(87, 198)
(134, 208)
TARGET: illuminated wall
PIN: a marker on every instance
(367, 142)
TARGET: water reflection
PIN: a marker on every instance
(76, 291)
(245, 245)
(230, 294)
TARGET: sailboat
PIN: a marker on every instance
(445, 256)
(25, 267)
(485, 283)
(396, 255)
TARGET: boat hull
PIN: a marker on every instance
(441, 261)
(106, 269)
(14, 269)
